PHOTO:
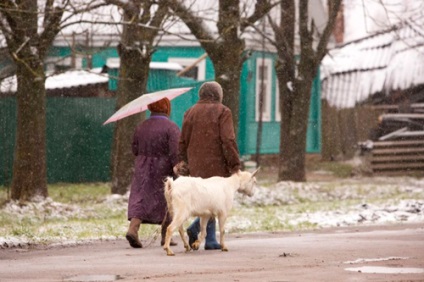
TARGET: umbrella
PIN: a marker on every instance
(140, 104)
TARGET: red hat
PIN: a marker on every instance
(161, 106)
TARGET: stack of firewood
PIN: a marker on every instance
(398, 141)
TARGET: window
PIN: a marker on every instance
(60, 64)
(198, 72)
(263, 84)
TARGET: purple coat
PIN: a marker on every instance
(155, 146)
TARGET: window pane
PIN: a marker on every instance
(263, 72)
(192, 73)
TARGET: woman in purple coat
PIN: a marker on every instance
(155, 146)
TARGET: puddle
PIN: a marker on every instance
(93, 278)
(386, 270)
(362, 260)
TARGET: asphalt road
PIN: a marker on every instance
(379, 253)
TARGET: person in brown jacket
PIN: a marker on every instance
(208, 146)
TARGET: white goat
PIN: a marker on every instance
(205, 198)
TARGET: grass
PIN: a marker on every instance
(76, 212)
(81, 212)
(79, 193)
(337, 169)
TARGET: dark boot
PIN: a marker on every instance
(193, 231)
(210, 242)
(132, 234)
(164, 226)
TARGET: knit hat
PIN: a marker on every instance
(211, 91)
(161, 106)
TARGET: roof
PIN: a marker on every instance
(63, 80)
(380, 63)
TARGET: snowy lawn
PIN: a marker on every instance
(79, 213)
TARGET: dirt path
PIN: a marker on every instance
(296, 256)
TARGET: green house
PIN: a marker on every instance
(249, 89)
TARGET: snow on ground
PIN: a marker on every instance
(380, 190)
(366, 201)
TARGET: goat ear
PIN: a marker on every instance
(256, 171)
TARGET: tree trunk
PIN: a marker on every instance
(29, 166)
(227, 73)
(295, 112)
(135, 51)
(285, 70)
(295, 104)
(133, 75)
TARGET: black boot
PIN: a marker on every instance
(193, 231)
(210, 242)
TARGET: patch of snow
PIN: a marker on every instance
(404, 211)
(362, 260)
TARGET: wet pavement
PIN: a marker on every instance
(374, 253)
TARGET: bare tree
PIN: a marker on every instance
(142, 22)
(295, 78)
(28, 42)
(226, 47)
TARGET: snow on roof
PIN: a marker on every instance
(383, 62)
(115, 62)
(63, 80)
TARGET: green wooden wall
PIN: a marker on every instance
(248, 126)
(78, 146)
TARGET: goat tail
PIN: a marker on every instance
(167, 191)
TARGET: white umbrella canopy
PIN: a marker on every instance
(140, 104)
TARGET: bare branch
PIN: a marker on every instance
(266, 36)
(159, 16)
(108, 23)
(305, 34)
(51, 28)
(194, 23)
(262, 7)
(283, 32)
(7, 9)
(146, 15)
(8, 34)
(334, 6)
(124, 5)
(76, 11)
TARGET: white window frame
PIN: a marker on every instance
(277, 102)
(266, 115)
(201, 66)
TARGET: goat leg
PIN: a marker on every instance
(221, 222)
(168, 236)
(186, 245)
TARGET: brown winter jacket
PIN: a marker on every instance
(207, 141)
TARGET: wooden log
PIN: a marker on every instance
(394, 151)
(403, 115)
(401, 158)
(398, 143)
(397, 166)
